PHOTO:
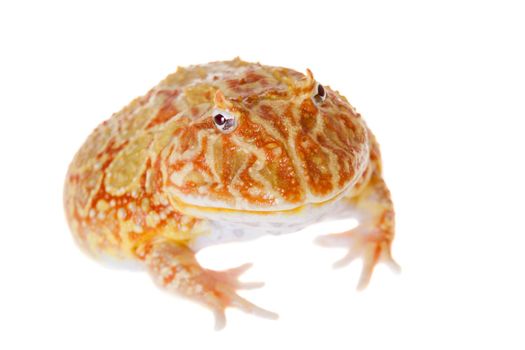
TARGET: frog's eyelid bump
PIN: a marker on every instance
(220, 101)
(310, 75)
(312, 87)
(318, 90)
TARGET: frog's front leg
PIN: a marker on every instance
(174, 267)
(371, 240)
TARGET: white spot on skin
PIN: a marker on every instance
(165, 272)
(178, 177)
(164, 200)
(183, 274)
(92, 213)
(145, 204)
(102, 205)
(121, 213)
(149, 182)
(254, 191)
(152, 219)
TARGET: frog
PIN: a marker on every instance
(222, 152)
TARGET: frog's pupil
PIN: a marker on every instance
(320, 90)
(219, 119)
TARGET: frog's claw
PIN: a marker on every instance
(366, 242)
(174, 267)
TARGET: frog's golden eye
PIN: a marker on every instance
(319, 94)
(224, 121)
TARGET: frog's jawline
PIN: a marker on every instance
(188, 207)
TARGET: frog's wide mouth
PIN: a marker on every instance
(192, 206)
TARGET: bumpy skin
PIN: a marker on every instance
(159, 176)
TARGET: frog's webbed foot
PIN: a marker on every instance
(366, 242)
(223, 285)
(371, 240)
(174, 267)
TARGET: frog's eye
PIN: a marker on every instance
(319, 94)
(224, 121)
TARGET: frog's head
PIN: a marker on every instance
(261, 139)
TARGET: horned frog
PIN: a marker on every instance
(227, 151)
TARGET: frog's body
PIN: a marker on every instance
(225, 151)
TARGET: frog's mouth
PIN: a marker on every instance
(189, 206)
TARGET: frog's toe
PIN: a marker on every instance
(223, 296)
(220, 319)
(234, 300)
(231, 276)
(223, 286)
(368, 243)
(334, 240)
(248, 307)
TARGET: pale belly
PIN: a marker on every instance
(243, 227)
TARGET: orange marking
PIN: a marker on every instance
(316, 164)
(168, 109)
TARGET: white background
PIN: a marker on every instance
(442, 84)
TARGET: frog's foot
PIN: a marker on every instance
(174, 267)
(367, 242)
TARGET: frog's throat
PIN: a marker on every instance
(193, 209)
